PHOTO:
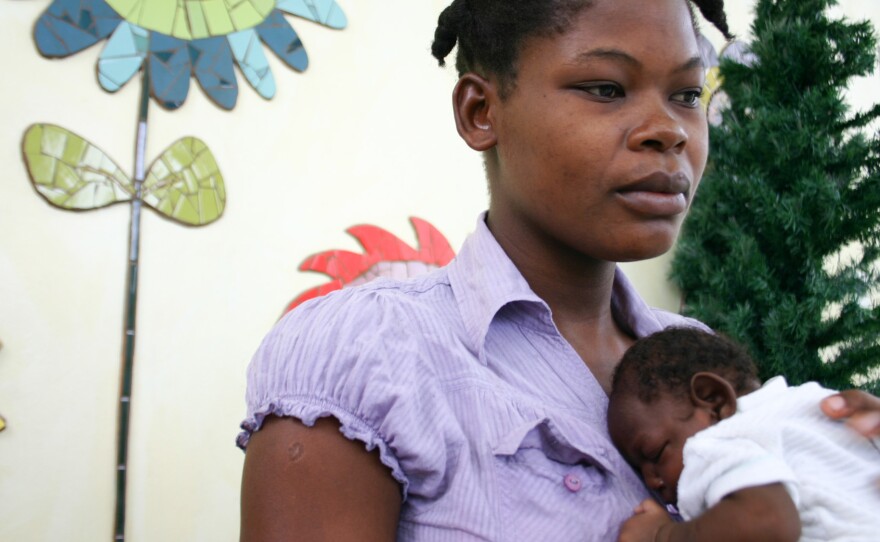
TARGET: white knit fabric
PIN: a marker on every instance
(779, 434)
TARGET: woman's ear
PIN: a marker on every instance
(714, 393)
(473, 100)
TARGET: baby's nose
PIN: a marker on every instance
(654, 482)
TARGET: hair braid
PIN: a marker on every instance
(713, 11)
(447, 32)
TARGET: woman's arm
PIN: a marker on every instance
(313, 484)
(755, 514)
(861, 410)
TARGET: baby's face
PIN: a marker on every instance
(651, 437)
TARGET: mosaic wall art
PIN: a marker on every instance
(384, 255)
(714, 99)
(167, 43)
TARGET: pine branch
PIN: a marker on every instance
(793, 180)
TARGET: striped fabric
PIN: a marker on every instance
(487, 417)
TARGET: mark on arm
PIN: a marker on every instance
(295, 451)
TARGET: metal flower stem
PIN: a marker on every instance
(130, 311)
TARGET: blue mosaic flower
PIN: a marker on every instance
(173, 39)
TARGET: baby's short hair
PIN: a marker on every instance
(665, 362)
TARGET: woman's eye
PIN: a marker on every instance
(604, 90)
(690, 98)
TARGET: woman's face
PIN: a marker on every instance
(602, 141)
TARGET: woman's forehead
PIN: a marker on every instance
(631, 24)
(656, 38)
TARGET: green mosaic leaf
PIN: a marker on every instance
(185, 184)
(70, 172)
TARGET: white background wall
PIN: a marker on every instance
(364, 136)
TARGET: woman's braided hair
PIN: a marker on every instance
(490, 32)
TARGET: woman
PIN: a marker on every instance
(470, 404)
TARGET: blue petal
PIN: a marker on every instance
(69, 26)
(276, 32)
(249, 55)
(123, 56)
(169, 66)
(212, 64)
(326, 12)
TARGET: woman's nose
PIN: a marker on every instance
(658, 130)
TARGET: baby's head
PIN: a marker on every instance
(667, 387)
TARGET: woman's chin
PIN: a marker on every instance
(646, 247)
(641, 256)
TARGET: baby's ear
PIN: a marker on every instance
(713, 393)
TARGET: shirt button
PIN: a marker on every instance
(572, 483)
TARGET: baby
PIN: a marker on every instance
(740, 461)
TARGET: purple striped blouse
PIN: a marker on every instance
(487, 417)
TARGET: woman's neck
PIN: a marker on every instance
(578, 290)
(575, 286)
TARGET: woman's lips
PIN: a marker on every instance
(660, 194)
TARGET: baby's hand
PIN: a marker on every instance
(645, 524)
(861, 411)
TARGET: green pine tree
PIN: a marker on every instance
(781, 245)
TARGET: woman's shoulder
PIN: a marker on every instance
(382, 305)
(365, 355)
(341, 343)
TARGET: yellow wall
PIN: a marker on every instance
(364, 136)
